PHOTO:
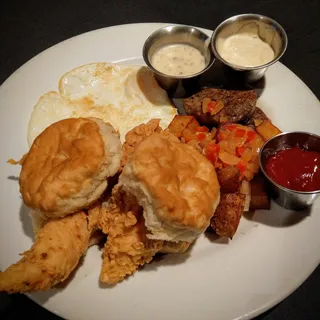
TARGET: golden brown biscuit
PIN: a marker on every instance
(176, 186)
(68, 165)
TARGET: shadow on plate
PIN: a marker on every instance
(259, 86)
(214, 238)
(43, 296)
(277, 216)
(110, 286)
(26, 220)
(160, 260)
(13, 178)
(168, 259)
(220, 77)
(24, 214)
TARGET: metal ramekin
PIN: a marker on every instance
(177, 86)
(287, 198)
(268, 30)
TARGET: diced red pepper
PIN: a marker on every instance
(202, 129)
(222, 136)
(241, 166)
(212, 157)
(212, 152)
(251, 135)
(212, 147)
(230, 127)
(212, 105)
(240, 133)
(240, 151)
(201, 136)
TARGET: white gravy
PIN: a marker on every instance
(178, 60)
(246, 50)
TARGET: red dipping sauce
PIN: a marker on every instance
(295, 169)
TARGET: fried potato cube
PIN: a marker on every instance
(178, 124)
(245, 189)
(193, 125)
(229, 179)
(188, 135)
(267, 130)
(259, 195)
(257, 122)
(227, 217)
(213, 132)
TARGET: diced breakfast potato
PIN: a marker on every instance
(267, 130)
(178, 124)
(205, 104)
(252, 168)
(217, 107)
(259, 195)
(229, 179)
(188, 135)
(193, 125)
(245, 189)
(212, 107)
(226, 219)
(213, 133)
(257, 122)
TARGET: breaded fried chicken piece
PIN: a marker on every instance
(137, 135)
(127, 246)
(96, 235)
(58, 247)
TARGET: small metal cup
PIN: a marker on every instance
(266, 28)
(287, 198)
(177, 86)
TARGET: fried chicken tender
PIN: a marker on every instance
(58, 247)
(127, 246)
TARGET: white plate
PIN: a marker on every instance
(270, 256)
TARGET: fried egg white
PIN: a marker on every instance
(124, 96)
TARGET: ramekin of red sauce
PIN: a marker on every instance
(291, 163)
(295, 169)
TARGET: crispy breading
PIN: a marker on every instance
(226, 219)
(127, 246)
(58, 247)
(135, 136)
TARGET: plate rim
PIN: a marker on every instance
(253, 313)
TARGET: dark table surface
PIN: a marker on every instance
(29, 27)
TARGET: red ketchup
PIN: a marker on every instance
(295, 169)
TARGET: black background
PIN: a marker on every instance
(28, 27)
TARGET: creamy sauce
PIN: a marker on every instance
(178, 60)
(246, 50)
